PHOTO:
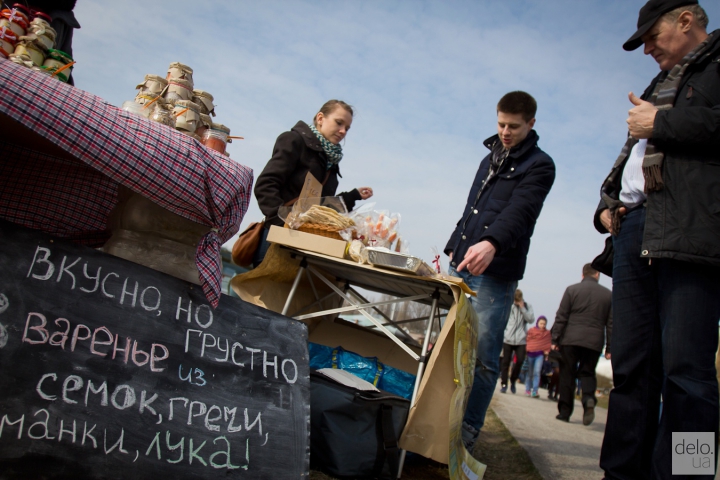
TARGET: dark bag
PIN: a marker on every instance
(603, 263)
(246, 244)
(354, 433)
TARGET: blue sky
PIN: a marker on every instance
(424, 78)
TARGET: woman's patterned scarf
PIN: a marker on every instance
(333, 151)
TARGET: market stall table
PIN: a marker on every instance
(310, 286)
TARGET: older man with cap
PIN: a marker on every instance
(661, 203)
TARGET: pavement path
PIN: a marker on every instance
(559, 450)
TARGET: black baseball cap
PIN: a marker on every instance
(651, 13)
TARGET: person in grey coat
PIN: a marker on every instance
(583, 324)
(514, 340)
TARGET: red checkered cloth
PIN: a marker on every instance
(72, 198)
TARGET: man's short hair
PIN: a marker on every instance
(518, 102)
(588, 270)
(701, 17)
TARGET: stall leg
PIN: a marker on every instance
(421, 366)
(303, 265)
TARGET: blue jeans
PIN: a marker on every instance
(492, 304)
(664, 339)
(535, 365)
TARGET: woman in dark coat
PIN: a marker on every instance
(305, 148)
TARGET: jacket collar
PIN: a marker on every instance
(308, 136)
(590, 279)
(519, 150)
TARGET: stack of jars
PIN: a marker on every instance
(27, 38)
(174, 101)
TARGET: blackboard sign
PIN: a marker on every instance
(112, 370)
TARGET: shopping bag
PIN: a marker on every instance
(354, 433)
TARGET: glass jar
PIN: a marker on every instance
(205, 100)
(29, 46)
(152, 85)
(58, 56)
(162, 115)
(41, 17)
(178, 71)
(51, 71)
(15, 19)
(44, 32)
(216, 137)
(8, 39)
(203, 125)
(179, 89)
(187, 115)
(136, 108)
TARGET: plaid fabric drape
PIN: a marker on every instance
(72, 198)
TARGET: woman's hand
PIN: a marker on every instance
(365, 192)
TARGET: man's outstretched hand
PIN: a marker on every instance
(478, 258)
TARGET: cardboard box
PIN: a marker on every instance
(307, 241)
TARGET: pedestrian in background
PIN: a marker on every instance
(514, 341)
(555, 360)
(583, 323)
(538, 347)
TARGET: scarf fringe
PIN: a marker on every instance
(653, 178)
(616, 217)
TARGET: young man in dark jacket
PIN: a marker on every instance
(489, 246)
(662, 205)
(583, 324)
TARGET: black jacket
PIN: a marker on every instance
(508, 207)
(584, 318)
(296, 153)
(683, 219)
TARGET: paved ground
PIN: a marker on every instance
(558, 450)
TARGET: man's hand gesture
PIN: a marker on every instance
(641, 118)
(478, 258)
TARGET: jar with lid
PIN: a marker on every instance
(187, 115)
(23, 60)
(16, 19)
(135, 108)
(145, 98)
(203, 125)
(179, 89)
(41, 17)
(153, 84)
(8, 39)
(31, 47)
(55, 60)
(44, 32)
(216, 137)
(53, 73)
(162, 115)
(177, 70)
(205, 100)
